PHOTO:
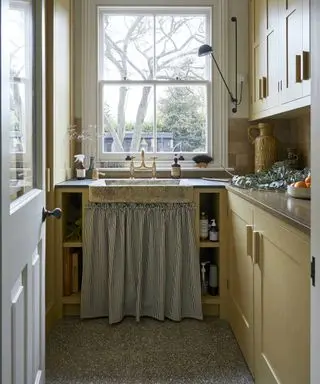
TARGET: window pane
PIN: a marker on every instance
(21, 105)
(127, 119)
(177, 41)
(127, 47)
(182, 116)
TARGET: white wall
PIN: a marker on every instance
(240, 9)
(77, 58)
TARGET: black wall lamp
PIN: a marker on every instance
(206, 49)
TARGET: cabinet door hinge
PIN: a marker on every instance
(313, 271)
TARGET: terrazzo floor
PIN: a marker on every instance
(93, 352)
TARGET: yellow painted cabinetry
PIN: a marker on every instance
(281, 302)
(280, 56)
(295, 35)
(241, 275)
(269, 293)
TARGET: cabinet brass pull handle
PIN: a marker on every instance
(306, 65)
(298, 69)
(264, 87)
(256, 248)
(260, 89)
(249, 240)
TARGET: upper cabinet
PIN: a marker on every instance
(280, 56)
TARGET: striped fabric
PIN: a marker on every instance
(140, 260)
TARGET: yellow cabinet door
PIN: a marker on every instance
(264, 45)
(271, 78)
(258, 57)
(306, 60)
(281, 302)
(241, 275)
(291, 19)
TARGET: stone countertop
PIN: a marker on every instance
(197, 183)
(296, 212)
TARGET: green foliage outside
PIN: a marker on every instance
(179, 113)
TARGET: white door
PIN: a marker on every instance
(22, 193)
(315, 201)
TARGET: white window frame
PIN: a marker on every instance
(218, 102)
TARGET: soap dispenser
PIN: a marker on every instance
(175, 169)
(213, 231)
(80, 168)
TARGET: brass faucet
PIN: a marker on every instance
(143, 166)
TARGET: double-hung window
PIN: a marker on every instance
(149, 89)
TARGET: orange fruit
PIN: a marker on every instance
(307, 180)
(300, 184)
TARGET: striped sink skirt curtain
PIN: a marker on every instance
(140, 260)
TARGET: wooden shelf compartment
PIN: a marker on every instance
(72, 244)
(75, 298)
(209, 244)
(210, 300)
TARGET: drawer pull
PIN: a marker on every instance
(264, 87)
(306, 65)
(249, 240)
(256, 248)
(298, 69)
(260, 89)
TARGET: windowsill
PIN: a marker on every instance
(166, 169)
(186, 171)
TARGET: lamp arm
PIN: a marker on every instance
(233, 99)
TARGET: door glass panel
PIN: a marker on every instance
(21, 128)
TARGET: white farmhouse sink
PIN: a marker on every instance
(139, 191)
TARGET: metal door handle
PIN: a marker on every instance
(264, 87)
(298, 69)
(256, 248)
(249, 240)
(57, 213)
(306, 65)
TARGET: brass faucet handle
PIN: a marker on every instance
(154, 167)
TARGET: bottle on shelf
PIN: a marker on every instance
(175, 169)
(204, 278)
(213, 280)
(213, 231)
(80, 168)
(204, 226)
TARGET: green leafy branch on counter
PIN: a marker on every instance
(278, 177)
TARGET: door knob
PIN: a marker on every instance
(57, 213)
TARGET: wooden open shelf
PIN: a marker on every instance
(209, 244)
(72, 299)
(72, 244)
(208, 299)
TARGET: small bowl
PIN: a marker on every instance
(299, 193)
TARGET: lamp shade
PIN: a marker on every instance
(204, 50)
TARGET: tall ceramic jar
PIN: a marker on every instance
(265, 148)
